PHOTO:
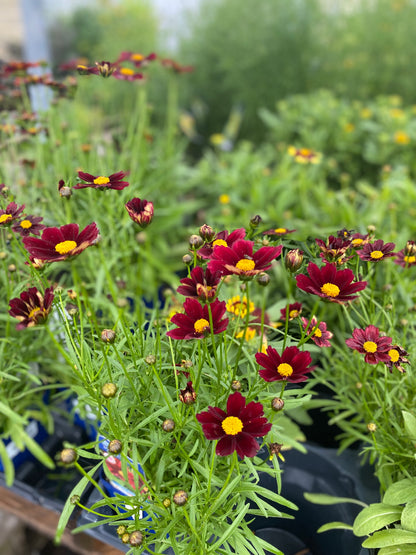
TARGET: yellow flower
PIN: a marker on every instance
(238, 306)
(401, 138)
(349, 127)
(224, 199)
(217, 139)
(366, 113)
(304, 155)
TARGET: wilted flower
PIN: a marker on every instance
(320, 335)
(140, 211)
(237, 428)
(373, 252)
(200, 284)
(188, 394)
(31, 308)
(194, 323)
(30, 225)
(291, 366)
(330, 283)
(240, 259)
(369, 342)
(60, 243)
(113, 181)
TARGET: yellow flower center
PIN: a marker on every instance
(65, 247)
(5, 218)
(201, 325)
(293, 313)
(317, 332)
(137, 57)
(394, 355)
(26, 224)
(232, 425)
(376, 255)
(34, 312)
(245, 265)
(330, 289)
(410, 259)
(280, 230)
(101, 180)
(357, 241)
(224, 199)
(285, 369)
(219, 242)
(126, 71)
(370, 346)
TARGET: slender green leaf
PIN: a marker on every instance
(374, 517)
(230, 530)
(325, 499)
(7, 465)
(390, 538)
(334, 526)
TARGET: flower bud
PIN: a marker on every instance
(150, 360)
(65, 192)
(75, 499)
(109, 390)
(12, 268)
(121, 530)
(195, 241)
(187, 259)
(371, 427)
(206, 232)
(255, 221)
(72, 309)
(166, 502)
(125, 538)
(277, 404)
(275, 448)
(136, 538)
(180, 497)
(188, 394)
(263, 279)
(168, 425)
(236, 385)
(115, 447)
(108, 336)
(293, 260)
(410, 248)
(68, 456)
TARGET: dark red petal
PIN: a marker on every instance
(247, 445)
(235, 403)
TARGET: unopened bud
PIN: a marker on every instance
(236, 385)
(125, 538)
(150, 360)
(166, 502)
(195, 241)
(255, 221)
(136, 538)
(109, 390)
(108, 336)
(277, 404)
(75, 499)
(206, 232)
(187, 259)
(68, 456)
(180, 497)
(115, 446)
(371, 427)
(293, 260)
(3, 255)
(263, 279)
(168, 425)
(121, 530)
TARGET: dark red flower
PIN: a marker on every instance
(137, 59)
(10, 214)
(397, 358)
(330, 283)
(240, 259)
(335, 248)
(31, 308)
(105, 69)
(194, 323)
(127, 74)
(278, 231)
(237, 428)
(368, 341)
(200, 284)
(291, 311)
(221, 238)
(373, 252)
(140, 211)
(407, 256)
(113, 181)
(291, 366)
(30, 225)
(358, 240)
(60, 243)
(188, 394)
(174, 66)
(320, 335)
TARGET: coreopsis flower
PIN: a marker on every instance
(291, 311)
(401, 138)
(221, 238)
(397, 358)
(304, 155)
(407, 256)
(278, 231)
(374, 252)
(237, 428)
(335, 248)
(105, 69)
(369, 342)
(201, 284)
(239, 259)
(194, 322)
(238, 306)
(175, 67)
(135, 58)
(320, 335)
(188, 394)
(358, 240)
(330, 283)
(60, 243)
(10, 213)
(290, 366)
(140, 211)
(127, 74)
(31, 308)
(30, 225)
(113, 181)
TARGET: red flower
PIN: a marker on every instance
(373, 252)
(358, 240)
(194, 323)
(105, 69)
(60, 243)
(140, 211)
(369, 342)
(291, 366)
(397, 358)
(292, 311)
(174, 66)
(221, 238)
(407, 256)
(127, 74)
(240, 259)
(30, 225)
(278, 232)
(201, 285)
(236, 429)
(334, 249)
(113, 181)
(10, 213)
(137, 59)
(31, 308)
(330, 283)
(188, 394)
(321, 335)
